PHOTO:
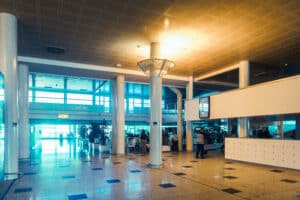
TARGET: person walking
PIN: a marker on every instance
(200, 144)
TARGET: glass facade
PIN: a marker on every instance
(44, 88)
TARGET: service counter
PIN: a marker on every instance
(280, 153)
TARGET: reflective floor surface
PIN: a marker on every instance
(67, 171)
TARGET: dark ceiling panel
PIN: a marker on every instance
(105, 32)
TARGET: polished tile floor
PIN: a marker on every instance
(65, 171)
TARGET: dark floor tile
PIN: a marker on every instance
(77, 196)
(179, 174)
(229, 168)
(187, 166)
(230, 177)
(97, 168)
(113, 181)
(64, 166)
(35, 163)
(193, 161)
(288, 181)
(20, 190)
(231, 190)
(68, 177)
(167, 185)
(29, 173)
(135, 171)
(276, 170)
(116, 163)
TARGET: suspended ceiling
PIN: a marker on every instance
(201, 35)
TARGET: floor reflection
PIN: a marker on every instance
(1, 158)
(70, 149)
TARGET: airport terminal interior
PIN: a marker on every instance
(114, 99)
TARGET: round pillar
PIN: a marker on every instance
(24, 149)
(8, 64)
(244, 80)
(118, 116)
(155, 121)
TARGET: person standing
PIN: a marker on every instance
(143, 138)
(175, 142)
(200, 144)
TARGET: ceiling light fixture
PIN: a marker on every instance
(155, 65)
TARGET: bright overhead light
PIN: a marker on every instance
(166, 23)
(63, 116)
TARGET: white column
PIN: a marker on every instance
(118, 116)
(8, 65)
(189, 132)
(24, 147)
(179, 116)
(244, 80)
(280, 127)
(155, 112)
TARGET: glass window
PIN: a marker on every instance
(79, 84)
(106, 102)
(30, 96)
(134, 88)
(137, 89)
(83, 99)
(146, 103)
(138, 103)
(48, 81)
(103, 86)
(1, 94)
(49, 97)
(130, 104)
(30, 80)
(146, 91)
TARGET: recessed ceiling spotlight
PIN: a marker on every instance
(55, 50)
(166, 23)
(118, 65)
(286, 64)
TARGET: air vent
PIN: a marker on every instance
(55, 50)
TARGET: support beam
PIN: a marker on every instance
(189, 132)
(216, 72)
(179, 116)
(156, 111)
(118, 115)
(24, 146)
(8, 65)
(244, 81)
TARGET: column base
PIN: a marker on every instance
(154, 166)
(24, 159)
(11, 176)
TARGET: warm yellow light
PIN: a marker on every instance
(173, 43)
(166, 23)
(63, 116)
(182, 43)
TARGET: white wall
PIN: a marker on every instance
(280, 153)
(191, 109)
(270, 98)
